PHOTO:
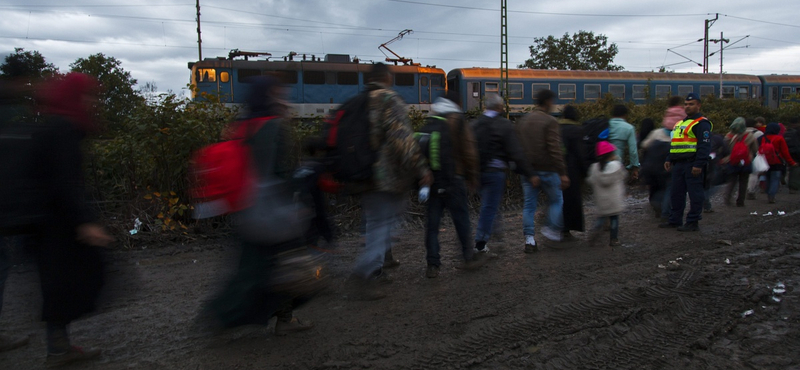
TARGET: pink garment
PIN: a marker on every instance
(604, 147)
(672, 116)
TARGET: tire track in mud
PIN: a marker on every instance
(636, 329)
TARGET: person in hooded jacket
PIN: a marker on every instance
(453, 196)
(776, 165)
(738, 173)
(575, 160)
(658, 180)
(607, 179)
(66, 244)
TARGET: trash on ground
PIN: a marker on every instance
(779, 288)
(724, 242)
(137, 225)
(776, 299)
(767, 214)
(727, 261)
(781, 213)
(661, 266)
(748, 313)
(754, 213)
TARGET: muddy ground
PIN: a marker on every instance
(664, 300)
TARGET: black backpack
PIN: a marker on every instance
(350, 155)
(437, 145)
(488, 140)
(594, 131)
(22, 203)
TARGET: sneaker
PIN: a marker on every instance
(480, 247)
(614, 243)
(8, 343)
(689, 226)
(432, 272)
(668, 225)
(551, 234)
(74, 354)
(293, 325)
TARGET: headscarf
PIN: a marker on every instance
(260, 98)
(773, 128)
(645, 128)
(738, 126)
(65, 97)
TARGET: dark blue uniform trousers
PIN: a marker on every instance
(684, 182)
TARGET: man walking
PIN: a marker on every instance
(497, 146)
(540, 135)
(688, 156)
(623, 135)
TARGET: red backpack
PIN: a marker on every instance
(740, 153)
(767, 149)
(223, 175)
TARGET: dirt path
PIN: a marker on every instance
(664, 300)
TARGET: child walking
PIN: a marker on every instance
(607, 179)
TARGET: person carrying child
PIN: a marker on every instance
(607, 178)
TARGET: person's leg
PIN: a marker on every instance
(436, 205)
(666, 202)
(531, 200)
(742, 179)
(773, 183)
(457, 203)
(551, 184)
(614, 220)
(380, 210)
(5, 265)
(678, 194)
(752, 185)
(694, 186)
(492, 186)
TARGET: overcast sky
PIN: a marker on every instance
(155, 39)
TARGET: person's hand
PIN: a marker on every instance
(535, 181)
(696, 171)
(94, 235)
(667, 166)
(427, 179)
(564, 182)
(634, 174)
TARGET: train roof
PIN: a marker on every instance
(778, 79)
(545, 74)
(317, 65)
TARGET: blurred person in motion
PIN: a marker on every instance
(498, 145)
(607, 179)
(655, 150)
(792, 137)
(540, 136)
(65, 245)
(737, 165)
(715, 176)
(399, 164)
(575, 160)
(249, 296)
(756, 129)
(623, 135)
(777, 154)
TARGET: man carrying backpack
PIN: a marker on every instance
(451, 151)
(497, 146)
(688, 157)
(773, 147)
(742, 147)
(399, 161)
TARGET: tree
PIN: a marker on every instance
(581, 51)
(28, 65)
(117, 95)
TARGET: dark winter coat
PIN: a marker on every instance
(575, 160)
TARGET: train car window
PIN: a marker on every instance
(207, 75)
(244, 74)
(492, 87)
(786, 93)
(728, 92)
(535, 88)
(662, 91)
(286, 77)
(437, 80)
(423, 81)
(617, 91)
(404, 79)
(313, 78)
(639, 92)
(330, 78)
(706, 90)
(476, 89)
(224, 77)
(566, 91)
(347, 78)
(684, 90)
(515, 91)
(756, 91)
(591, 91)
(744, 92)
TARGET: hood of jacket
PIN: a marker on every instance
(444, 106)
(672, 116)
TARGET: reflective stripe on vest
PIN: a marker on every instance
(683, 138)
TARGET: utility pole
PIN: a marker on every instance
(721, 42)
(709, 23)
(199, 41)
(504, 52)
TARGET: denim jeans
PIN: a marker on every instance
(613, 220)
(493, 184)
(381, 210)
(773, 182)
(455, 200)
(551, 184)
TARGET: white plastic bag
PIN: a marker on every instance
(760, 164)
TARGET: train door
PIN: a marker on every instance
(774, 97)
(225, 85)
(473, 95)
(424, 89)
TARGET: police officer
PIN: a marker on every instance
(688, 156)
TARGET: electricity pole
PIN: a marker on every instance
(709, 23)
(199, 41)
(721, 42)
(504, 51)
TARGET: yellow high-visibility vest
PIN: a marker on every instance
(683, 138)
